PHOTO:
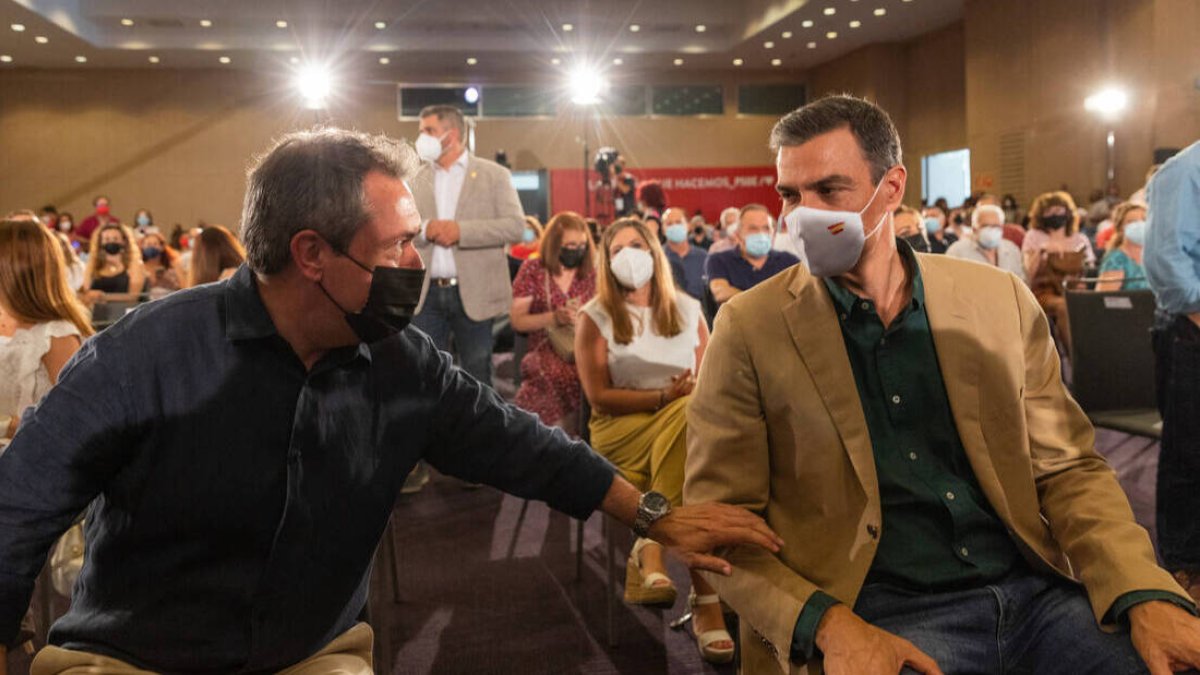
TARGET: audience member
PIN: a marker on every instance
(217, 256)
(41, 320)
(911, 229)
(653, 222)
(531, 240)
(725, 231)
(49, 217)
(1012, 211)
(652, 197)
(1012, 231)
(66, 225)
(159, 261)
(547, 295)
(472, 212)
(700, 235)
(101, 217)
(1172, 260)
(687, 261)
(143, 222)
(638, 347)
(752, 262)
(987, 244)
(940, 240)
(75, 267)
(114, 267)
(1121, 268)
(1054, 253)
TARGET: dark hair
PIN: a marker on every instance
(313, 180)
(49, 208)
(442, 112)
(872, 127)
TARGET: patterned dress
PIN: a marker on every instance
(549, 386)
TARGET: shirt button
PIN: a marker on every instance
(964, 551)
(865, 305)
(843, 317)
(896, 399)
(912, 456)
(883, 341)
(950, 496)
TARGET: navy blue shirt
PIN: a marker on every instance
(732, 267)
(236, 498)
(692, 267)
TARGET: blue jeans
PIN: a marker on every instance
(1177, 374)
(443, 316)
(1024, 623)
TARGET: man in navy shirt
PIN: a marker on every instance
(752, 262)
(237, 494)
(687, 260)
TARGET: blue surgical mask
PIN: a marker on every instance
(758, 244)
(932, 225)
(143, 220)
(990, 237)
(151, 252)
(529, 236)
(1135, 232)
(677, 233)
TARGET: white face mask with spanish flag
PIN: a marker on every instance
(832, 240)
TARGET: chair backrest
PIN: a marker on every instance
(1112, 360)
(107, 313)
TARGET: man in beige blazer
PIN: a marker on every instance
(469, 210)
(900, 420)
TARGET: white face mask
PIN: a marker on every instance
(429, 148)
(832, 240)
(633, 267)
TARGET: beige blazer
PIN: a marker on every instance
(775, 425)
(489, 215)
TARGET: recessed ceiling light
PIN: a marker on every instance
(18, 27)
(812, 45)
(855, 24)
(880, 12)
(380, 25)
(294, 59)
(738, 62)
(281, 24)
(225, 60)
(568, 27)
(153, 59)
(80, 59)
(700, 28)
(830, 11)
(555, 61)
(787, 35)
(41, 39)
(768, 45)
(5, 58)
(633, 28)
(126, 22)
(679, 62)
(383, 60)
(832, 35)
(777, 62)
(807, 23)
(472, 61)
(205, 23)
(618, 61)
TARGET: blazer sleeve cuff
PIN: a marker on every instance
(1119, 613)
(804, 637)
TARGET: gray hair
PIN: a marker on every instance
(731, 211)
(872, 127)
(447, 112)
(987, 208)
(313, 180)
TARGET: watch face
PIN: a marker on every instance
(655, 503)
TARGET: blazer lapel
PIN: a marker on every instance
(468, 186)
(813, 324)
(952, 321)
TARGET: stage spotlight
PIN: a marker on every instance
(314, 84)
(1108, 103)
(471, 95)
(586, 86)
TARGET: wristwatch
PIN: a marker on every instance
(651, 507)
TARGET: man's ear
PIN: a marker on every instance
(310, 253)
(896, 179)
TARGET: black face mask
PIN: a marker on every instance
(391, 302)
(918, 243)
(112, 249)
(1055, 222)
(571, 257)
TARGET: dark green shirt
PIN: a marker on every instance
(939, 532)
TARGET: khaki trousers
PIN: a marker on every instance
(348, 654)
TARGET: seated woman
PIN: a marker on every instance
(911, 228)
(527, 248)
(987, 244)
(637, 346)
(1055, 252)
(547, 295)
(114, 268)
(41, 320)
(160, 261)
(216, 255)
(1122, 268)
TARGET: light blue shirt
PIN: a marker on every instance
(1172, 253)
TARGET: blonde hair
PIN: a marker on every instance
(33, 276)
(610, 295)
(131, 256)
(1119, 215)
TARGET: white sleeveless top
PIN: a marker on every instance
(24, 379)
(650, 360)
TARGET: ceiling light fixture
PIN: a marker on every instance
(830, 11)
(855, 24)
(678, 62)
(768, 45)
(281, 24)
(787, 35)
(383, 60)
(80, 59)
(700, 28)
(380, 25)
(777, 62)
(153, 59)
(568, 27)
(205, 23)
(618, 61)
(738, 62)
(812, 45)
(314, 83)
(225, 60)
(41, 39)
(5, 58)
(127, 22)
(18, 27)
(585, 85)
(808, 23)
(880, 12)
(555, 61)
(832, 35)
(633, 28)
(294, 59)
(472, 61)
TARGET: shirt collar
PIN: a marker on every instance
(460, 162)
(846, 301)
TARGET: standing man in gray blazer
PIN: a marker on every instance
(469, 211)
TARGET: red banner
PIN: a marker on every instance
(710, 190)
